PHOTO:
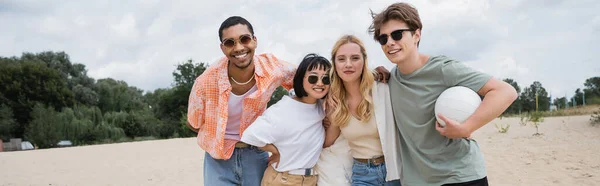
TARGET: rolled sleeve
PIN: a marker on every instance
(288, 70)
(195, 114)
(259, 133)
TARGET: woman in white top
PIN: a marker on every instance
(359, 109)
(292, 129)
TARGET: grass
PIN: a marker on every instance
(577, 111)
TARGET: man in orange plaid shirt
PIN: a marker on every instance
(228, 97)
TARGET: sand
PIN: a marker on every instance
(566, 154)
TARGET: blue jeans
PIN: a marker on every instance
(245, 167)
(370, 174)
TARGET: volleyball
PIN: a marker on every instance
(457, 103)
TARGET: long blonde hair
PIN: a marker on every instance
(337, 105)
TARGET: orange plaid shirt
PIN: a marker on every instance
(208, 101)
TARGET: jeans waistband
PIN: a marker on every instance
(373, 161)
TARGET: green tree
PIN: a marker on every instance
(7, 122)
(58, 61)
(593, 84)
(528, 97)
(42, 130)
(187, 72)
(117, 96)
(578, 97)
(80, 77)
(277, 95)
(560, 102)
(25, 82)
(171, 107)
(172, 103)
(85, 95)
(592, 90)
(141, 123)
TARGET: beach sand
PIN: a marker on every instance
(568, 153)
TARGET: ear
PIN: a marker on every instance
(417, 36)
(222, 47)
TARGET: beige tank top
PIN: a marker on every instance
(363, 138)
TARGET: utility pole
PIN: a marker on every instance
(536, 101)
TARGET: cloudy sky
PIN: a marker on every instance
(141, 42)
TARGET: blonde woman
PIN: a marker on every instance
(359, 111)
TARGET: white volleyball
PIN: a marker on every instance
(457, 103)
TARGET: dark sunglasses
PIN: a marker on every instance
(312, 79)
(244, 40)
(396, 35)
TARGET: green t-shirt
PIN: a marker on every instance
(428, 158)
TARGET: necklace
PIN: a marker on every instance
(243, 82)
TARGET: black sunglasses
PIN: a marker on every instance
(396, 35)
(244, 39)
(312, 79)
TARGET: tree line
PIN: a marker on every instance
(526, 102)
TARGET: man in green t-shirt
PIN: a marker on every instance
(432, 154)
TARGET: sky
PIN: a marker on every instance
(141, 42)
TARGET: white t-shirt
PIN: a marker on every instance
(234, 115)
(295, 128)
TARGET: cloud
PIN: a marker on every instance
(142, 41)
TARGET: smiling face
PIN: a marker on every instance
(349, 62)
(316, 83)
(398, 51)
(241, 53)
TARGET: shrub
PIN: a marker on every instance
(502, 128)
(595, 119)
(536, 118)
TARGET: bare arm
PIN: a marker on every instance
(275, 156)
(381, 74)
(270, 148)
(498, 96)
(331, 134)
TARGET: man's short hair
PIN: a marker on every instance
(398, 11)
(232, 21)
